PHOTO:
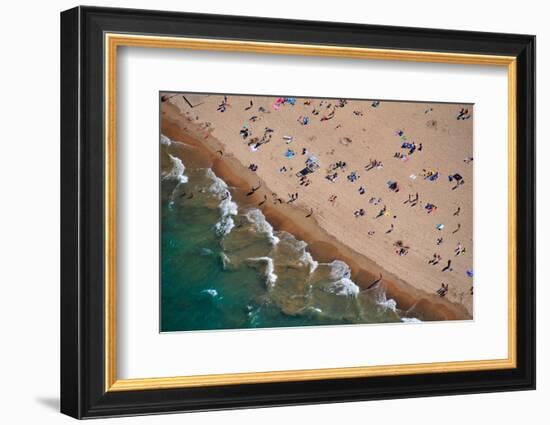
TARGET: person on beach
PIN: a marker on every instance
(447, 267)
(402, 251)
(435, 260)
(381, 212)
(254, 189)
(443, 290)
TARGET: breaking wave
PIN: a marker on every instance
(177, 171)
(269, 270)
(411, 320)
(256, 217)
(212, 292)
(165, 140)
(342, 284)
(228, 208)
(387, 303)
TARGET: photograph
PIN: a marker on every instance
(288, 211)
(291, 209)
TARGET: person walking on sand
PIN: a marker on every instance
(374, 284)
(254, 189)
(447, 267)
(443, 290)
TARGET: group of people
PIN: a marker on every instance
(374, 163)
(463, 114)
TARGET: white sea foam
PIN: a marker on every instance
(177, 171)
(389, 304)
(226, 262)
(256, 217)
(227, 207)
(342, 285)
(224, 225)
(345, 287)
(212, 292)
(411, 320)
(218, 186)
(308, 259)
(165, 140)
(269, 272)
(339, 270)
(300, 247)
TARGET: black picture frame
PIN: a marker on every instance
(83, 392)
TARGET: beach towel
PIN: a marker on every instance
(278, 103)
(290, 153)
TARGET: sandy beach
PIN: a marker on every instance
(383, 212)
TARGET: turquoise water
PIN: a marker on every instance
(224, 267)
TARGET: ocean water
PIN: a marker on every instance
(224, 267)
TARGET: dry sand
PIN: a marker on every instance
(332, 231)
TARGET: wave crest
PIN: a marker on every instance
(165, 140)
(257, 218)
(228, 208)
(177, 171)
(269, 271)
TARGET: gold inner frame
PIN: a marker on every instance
(113, 41)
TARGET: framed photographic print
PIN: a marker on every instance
(261, 212)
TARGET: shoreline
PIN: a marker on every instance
(322, 246)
